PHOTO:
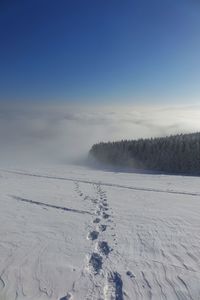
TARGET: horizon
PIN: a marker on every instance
(35, 134)
(73, 74)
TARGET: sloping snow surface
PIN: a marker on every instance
(74, 233)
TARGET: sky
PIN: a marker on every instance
(74, 73)
(100, 51)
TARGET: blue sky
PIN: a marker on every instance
(100, 50)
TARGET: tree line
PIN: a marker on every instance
(172, 154)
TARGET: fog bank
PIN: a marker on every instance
(47, 133)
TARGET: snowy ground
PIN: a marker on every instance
(72, 233)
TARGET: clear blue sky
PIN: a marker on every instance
(99, 50)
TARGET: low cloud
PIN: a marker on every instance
(50, 133)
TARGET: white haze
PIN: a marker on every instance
(61, 133)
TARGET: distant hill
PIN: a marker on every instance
(172, 154)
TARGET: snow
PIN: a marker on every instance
(68, 232)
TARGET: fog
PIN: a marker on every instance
(48, 133)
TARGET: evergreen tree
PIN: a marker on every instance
(174, 154)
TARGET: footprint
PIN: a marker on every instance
(96, 262)
(130, 274)
(67, 297)
(97, 220)
(102, 227)
(103, 208)
(104, 248)
(105, 215)
(114, 287)
(93, 235)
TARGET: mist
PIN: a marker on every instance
(48, 133)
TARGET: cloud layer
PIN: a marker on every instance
(50, 133)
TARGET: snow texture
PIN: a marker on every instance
(71, 233)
